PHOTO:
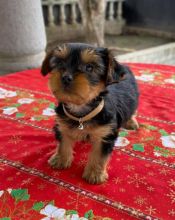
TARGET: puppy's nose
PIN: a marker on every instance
(67, 79)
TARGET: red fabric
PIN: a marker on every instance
(141, 174)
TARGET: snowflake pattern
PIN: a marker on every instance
(151, 210)
(172, 195)
(137, 180)
(171, 182)
(139, 200)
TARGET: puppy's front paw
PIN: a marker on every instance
(94, 176)
(58, 162)
(132, 124)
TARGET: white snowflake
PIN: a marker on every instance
(121, 142)
(6, 93)
(52, 211)
(172, 81)
(48, 112)
(145, 77)
(10, 110)
(25, 101)
(168, 141)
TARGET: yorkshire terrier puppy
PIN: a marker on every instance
(97, 96)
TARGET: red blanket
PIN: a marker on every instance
(141, 172)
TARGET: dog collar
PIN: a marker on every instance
(87, 117)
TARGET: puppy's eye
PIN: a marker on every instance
(89, 67)
(60, 64)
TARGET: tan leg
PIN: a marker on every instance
(63, 157)
(95, 171)
(132, 123)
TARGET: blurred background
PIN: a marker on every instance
(136, 30)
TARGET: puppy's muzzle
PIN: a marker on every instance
(67, 79)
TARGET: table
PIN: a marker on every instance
(141, 172)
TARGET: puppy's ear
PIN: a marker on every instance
(115, 71)
(48, 63)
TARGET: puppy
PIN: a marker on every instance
(97, 96)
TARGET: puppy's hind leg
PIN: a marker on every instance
(63, 157)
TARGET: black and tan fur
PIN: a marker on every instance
(80, 75)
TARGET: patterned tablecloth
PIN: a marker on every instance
(141, 172)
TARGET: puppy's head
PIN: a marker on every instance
(79, 72)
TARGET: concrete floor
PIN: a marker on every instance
(130, 43)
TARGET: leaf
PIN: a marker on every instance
(35, 109)
(71, 212)
(149, 139)
(41, 101)
(38, 206)
(151, 127)
(156, 148)
(138, 147)
(20, 115)
(52, 105)
(38, 118)
(20, 194)
(165, 154)
(123, 133)
(16, 105)
(163, 132)
(5, 218)
(89, 215)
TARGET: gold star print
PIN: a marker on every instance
(56, 173)
(117, 180)
(14, 150)
(140, 201)
(14, 139)
(10, 179)
(26, 182)
(172, 196)
(82, 163)
(25, 154)
(171, 212)
(117, 159)
(171, 182)
(150, 189)
(150, 173)
(59, 190)
(164, 171)
(105, 210)
(150, 210)
(41, 187)
(129, 167)
(122, 190)
(137, 180)
(79, 200)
